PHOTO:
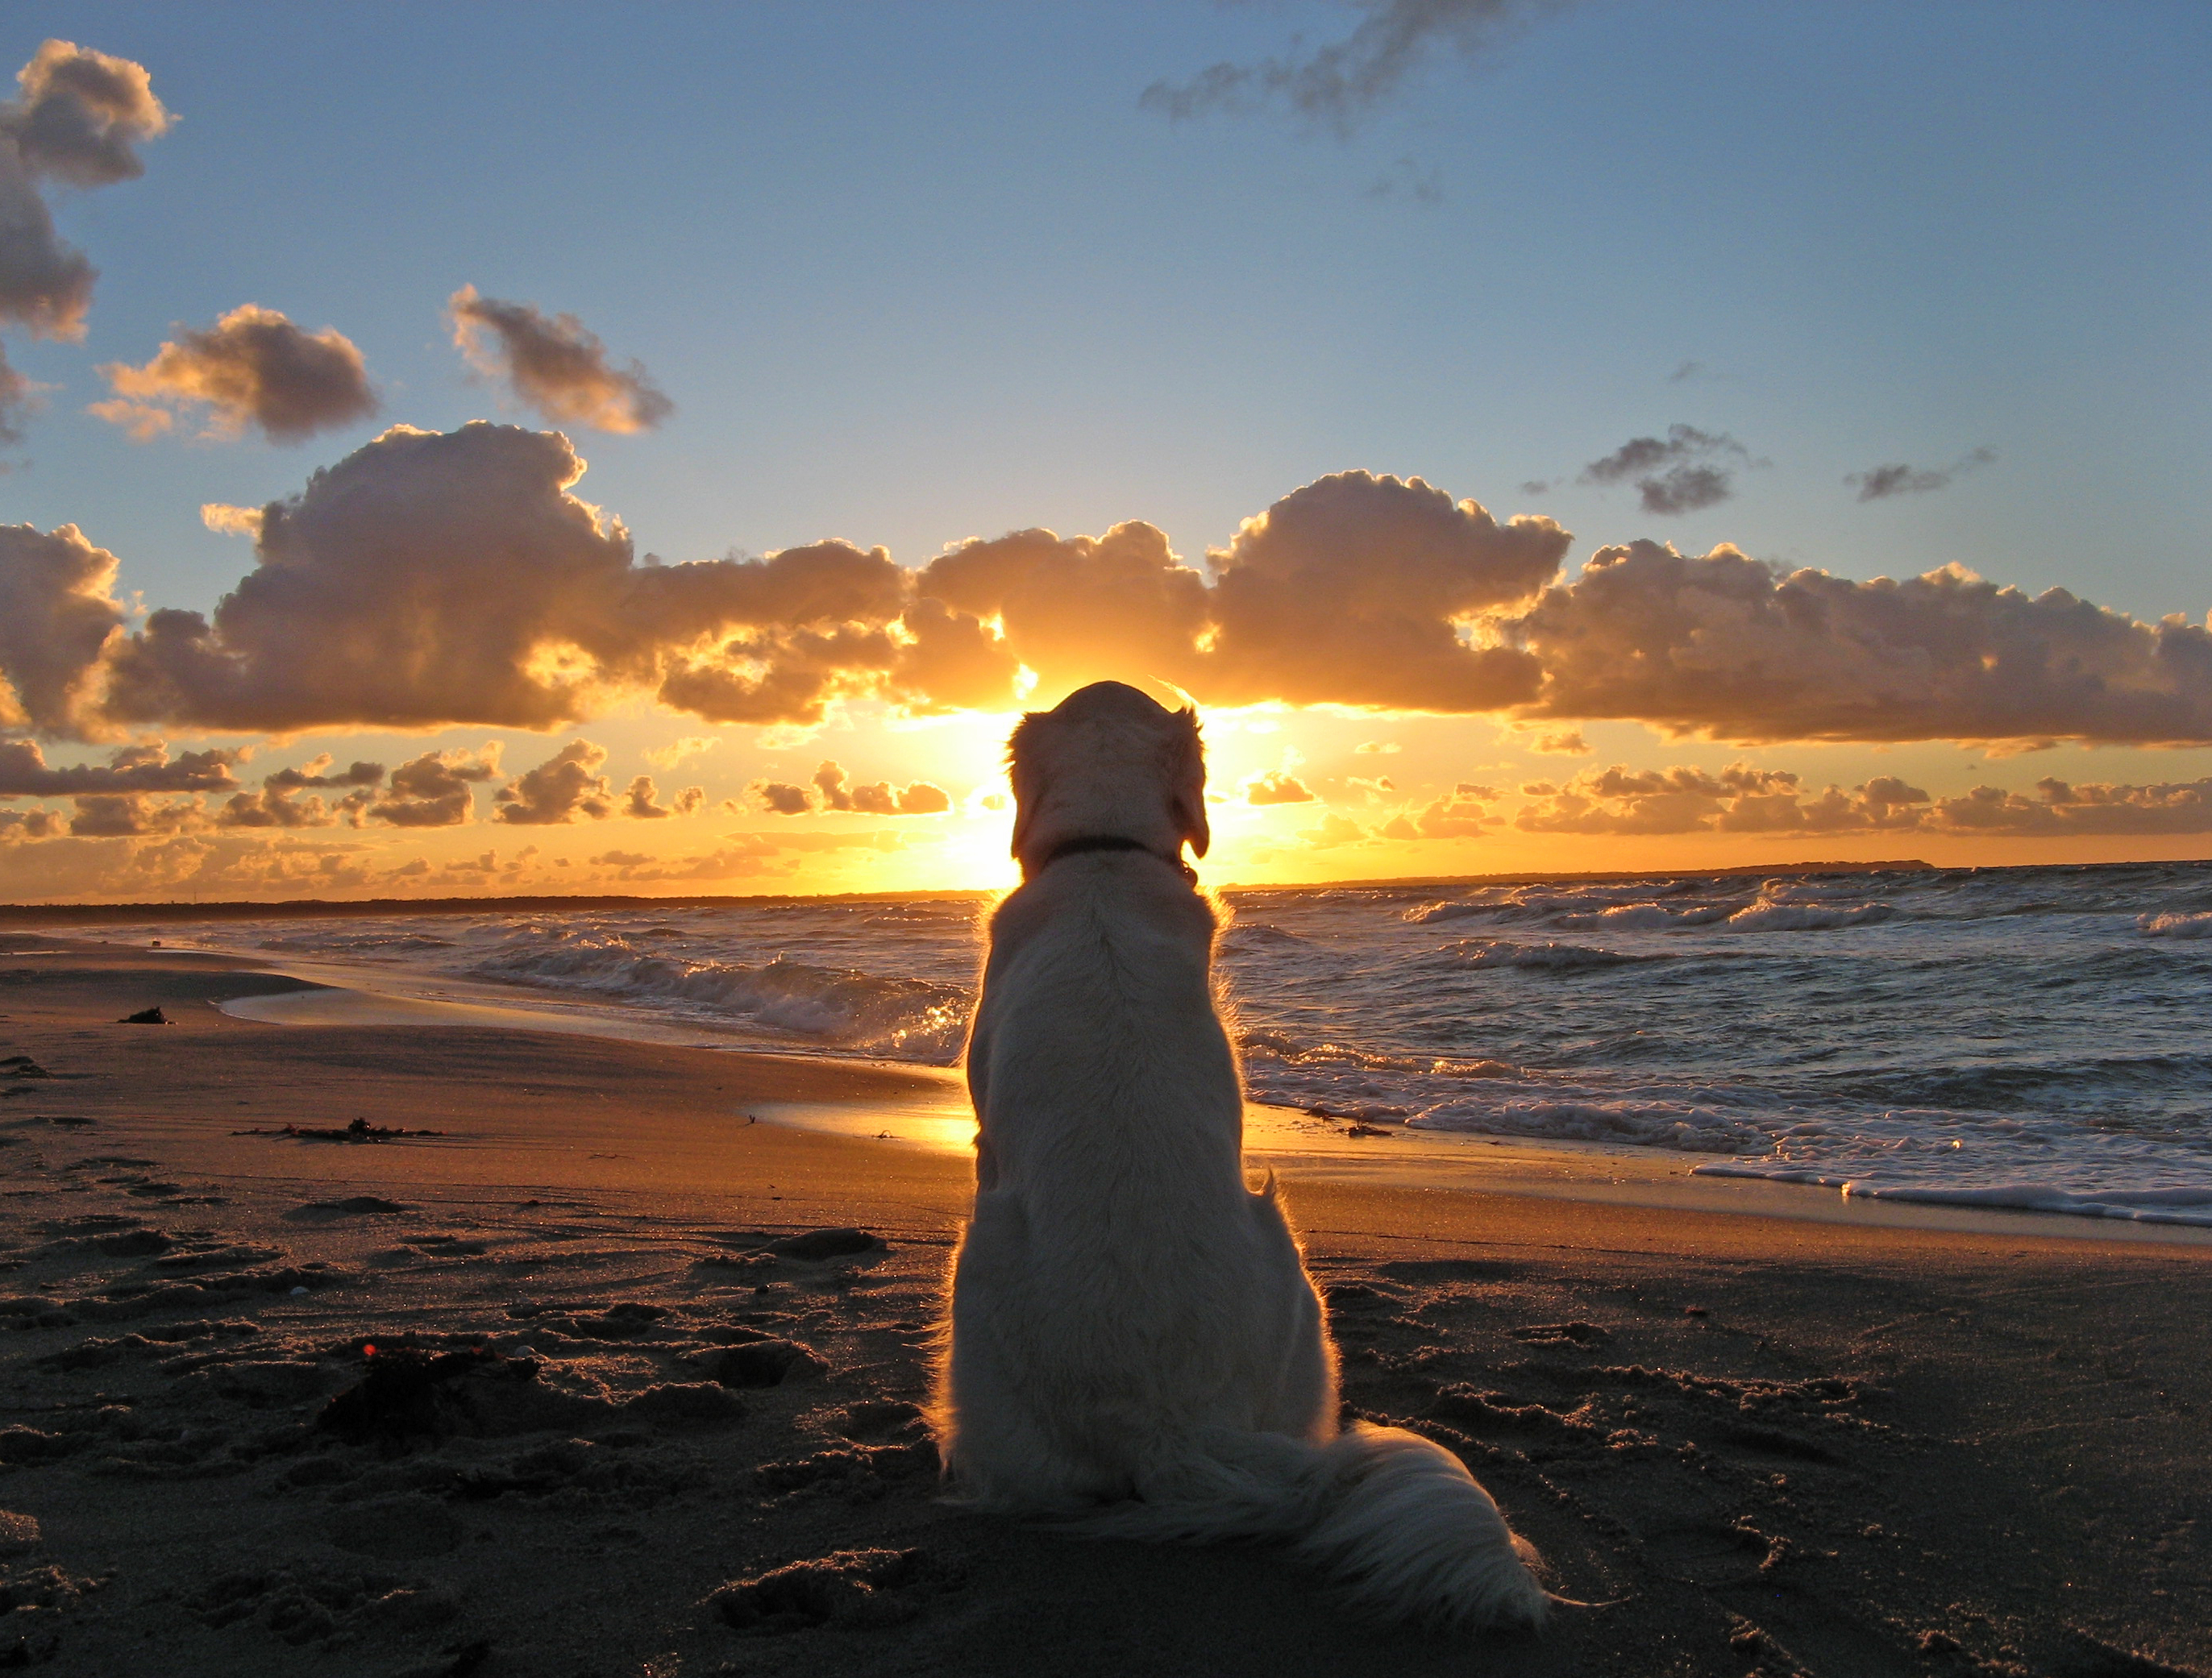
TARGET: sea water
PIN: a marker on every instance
(2033, 1038)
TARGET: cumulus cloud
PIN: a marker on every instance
(1333, 830)
(436, 789)
(429, 579)
(1682, 472)
(1277, 786)
(77, 121)
(1362, 590)
(2096, 807)
(1462, 813)
(554, 365)
(561, 789)
(1879, 483)
(1678, 800)
(1375, 747)
(1338, 84)
(144, 767)
(58, 609)
(833, 790)
(253, 367)
(1729, 647)
(641, 800)
(436, 578)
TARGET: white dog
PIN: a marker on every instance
(1136, 1349)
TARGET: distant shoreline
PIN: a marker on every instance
(49, 914)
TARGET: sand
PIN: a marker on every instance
(1825, 1443)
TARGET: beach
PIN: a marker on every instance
(1763, 1429)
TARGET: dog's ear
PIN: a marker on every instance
(1022, 747)
(1186, 787)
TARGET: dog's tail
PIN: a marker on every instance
(1394, 1518)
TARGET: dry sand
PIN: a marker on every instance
(1773, 1445)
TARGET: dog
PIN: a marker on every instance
(1135, 1348)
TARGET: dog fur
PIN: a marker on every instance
(1136, 1349)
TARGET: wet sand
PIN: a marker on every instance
(1846, 1440)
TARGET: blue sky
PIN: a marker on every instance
(913, 274)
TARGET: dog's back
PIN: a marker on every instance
(1135, 1345)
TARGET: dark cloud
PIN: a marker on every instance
(77, 120)
(561, 789)
(1731, 648)
(781, 797)
(253, 367)
(145, 767)
(58, 609)
(285, 800)
(131, 815)
(430, 578)
(1879, 483)
(1338, 85)
(1677, 472)
(19, 396)
(2097, 808)
(436, 789)
(1679, 800)
(642, 800)
(554, 365)
(316, 771)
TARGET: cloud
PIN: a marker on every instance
(1354, 590)
(1679, 473)
(877, 798)
(1554, 743)
(19, 397)
(1686, 370)
(832, 790)
(1277, 786)
(1367, 747)
(1340, 84)
(1462, 813)
(146, 768)
(620, 859)
(1335, 829)
(115, 815)
(1729, 647)
(2096, 807)
(640, 800)
(77, 120)
(1879, 483)
(58, 609)
(436, 789)
(561, 789)
(554, 365)
(780, 797)
(1074, 609)
(691, 746)
(1679, 800)
(430, 578)
(252, 367)
(279, 803)
(226, 520)
(17, 826)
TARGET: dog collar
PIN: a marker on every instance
(1076, 847)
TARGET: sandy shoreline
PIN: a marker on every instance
(1890, 1439)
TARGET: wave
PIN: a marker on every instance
(905, 1019)
(2179, 1204)
(1645, 918)
(2175, 926)
(1483, 953)
(1775, 915)
(356, 944)
(1678, 1125)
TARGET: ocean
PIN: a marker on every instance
(2034, 1037)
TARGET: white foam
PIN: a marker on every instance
(2175, 926)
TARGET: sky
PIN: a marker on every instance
(668, 447)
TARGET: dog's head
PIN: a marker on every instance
(1108, 761)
